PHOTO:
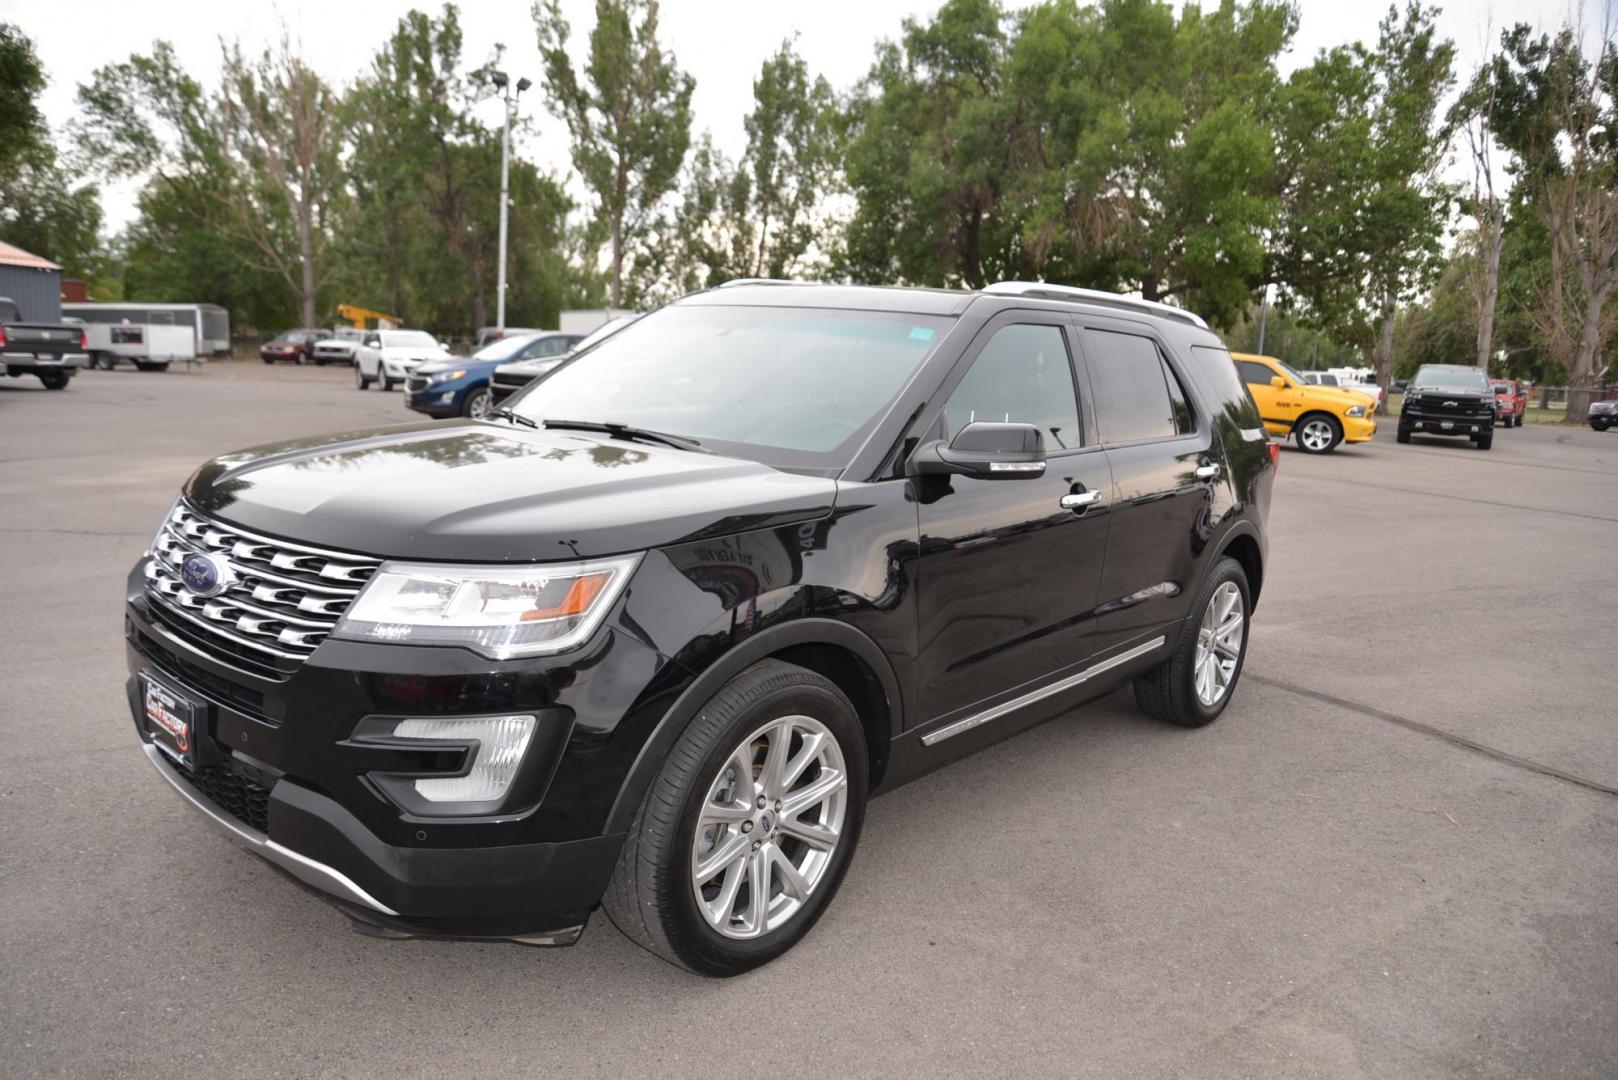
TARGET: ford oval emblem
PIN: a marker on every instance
(206, 575)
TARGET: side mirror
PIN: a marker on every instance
(373, 343)
(987, 451)
(1278, 382)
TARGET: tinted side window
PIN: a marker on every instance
(1022, 376)
(1254, 373)
(1185, 421)
(1131, 390)
(1221, 370)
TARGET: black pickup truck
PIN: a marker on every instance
(52, 351)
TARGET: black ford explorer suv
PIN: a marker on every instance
(1449, 399)
(651, 639)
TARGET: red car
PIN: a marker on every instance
(291, 346)
(1510, 402)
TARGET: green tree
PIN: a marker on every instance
(630, 119)
(1558, 114)
(44, 206)
(931, 154)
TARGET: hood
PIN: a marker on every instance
(1337, 394)
(415, 352)
(483, 492)
(1459, 395)
(475, 367)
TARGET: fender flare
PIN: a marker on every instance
(1240, 528)
(767, 642)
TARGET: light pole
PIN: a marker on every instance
(503, 83)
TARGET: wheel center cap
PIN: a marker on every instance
(766, 824)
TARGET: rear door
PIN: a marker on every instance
(1166, 474)
(1007, 575)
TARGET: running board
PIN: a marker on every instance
(932, 738)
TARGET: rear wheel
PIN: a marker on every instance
(54, 380)
(743, 838)
(1193, 686)
(1318, 433)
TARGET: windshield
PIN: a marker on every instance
(785, 386)
(1469, 379)
(408, 339)
(1292, 374)
(504, 349)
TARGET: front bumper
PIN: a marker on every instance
(312, 808)
(1429, 424)
(1359, 428)
(437, 400)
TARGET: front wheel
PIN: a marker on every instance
(1319, 434)
(1601, 425)
(478, 404)
(1403, 436)
(1193, 686)
(744, 837)
(361, 380)
(1486, 439)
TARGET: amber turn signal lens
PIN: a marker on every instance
(580, 595)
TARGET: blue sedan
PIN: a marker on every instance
(461, 387)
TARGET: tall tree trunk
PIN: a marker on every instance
(1384, 349)
(1493, 240)
(306, 256)
(1581, 379)
(617, 293)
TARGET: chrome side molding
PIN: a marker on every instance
(932, 738)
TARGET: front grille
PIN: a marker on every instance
(281, 600)
(415, 383)
(241, 798)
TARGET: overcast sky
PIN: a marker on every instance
(720, 42)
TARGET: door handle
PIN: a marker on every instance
(1078, 500)
(1208, 472)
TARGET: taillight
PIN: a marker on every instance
(2, 335)
(1275, 454)
(84, 339)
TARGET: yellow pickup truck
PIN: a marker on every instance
(1317, 417)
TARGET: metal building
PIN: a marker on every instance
(34, 283)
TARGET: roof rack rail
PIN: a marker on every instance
(1093, 296)
(762, 281)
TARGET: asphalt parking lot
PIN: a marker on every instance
(1395, 855)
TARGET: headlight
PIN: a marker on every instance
(496, 611)
(1355, 410)
(446, 376)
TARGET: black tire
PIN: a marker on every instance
(387, 383)
(1310, 423)
(1168, 691)
(1403, 436)
(269, 360)
(151, 365)
(650, 898)
(1486, 439)
(55, 380)
(362, 381)
(476, 400)
(1601, 425)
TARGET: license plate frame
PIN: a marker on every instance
(1446, 424)
(169, 717)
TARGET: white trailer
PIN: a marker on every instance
(148, 347)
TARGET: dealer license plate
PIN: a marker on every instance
(171, 721)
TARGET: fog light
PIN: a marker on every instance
(498, 745)
(447, 397)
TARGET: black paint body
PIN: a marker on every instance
(927, 598)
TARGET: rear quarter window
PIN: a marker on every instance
(1213, 364)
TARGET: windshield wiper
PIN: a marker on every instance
(627, 431)
(515, 418)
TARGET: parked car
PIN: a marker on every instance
(487, 334)
(389, 356)
(1449, 399)
(1510, 402)
(291, 346)
(1400, 385)
(50, 351)
(461, 387)
(339, 347)
(1603, 414)
(1369, 389)
(509, 378)
(1319, 418)
(654, 639)
(1319, 378)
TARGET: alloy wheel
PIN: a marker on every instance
(481, 405)
(1316, 436)
(768, 827)
(1219, 644)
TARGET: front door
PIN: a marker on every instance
(1008, 576)
(1280, 406)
